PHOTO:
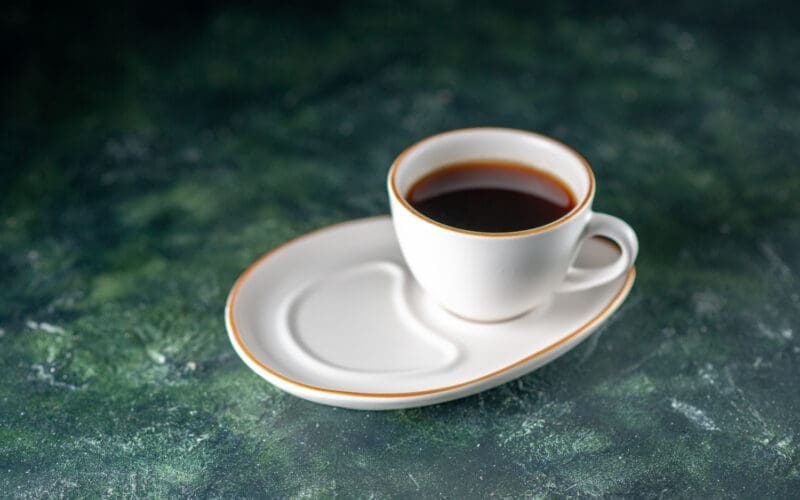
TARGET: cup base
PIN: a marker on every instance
(538, 308)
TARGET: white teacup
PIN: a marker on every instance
(497, 276)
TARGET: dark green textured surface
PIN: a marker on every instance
(148, 158)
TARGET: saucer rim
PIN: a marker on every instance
(253, 361)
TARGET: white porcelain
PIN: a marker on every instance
(496, 276)
(335, 317)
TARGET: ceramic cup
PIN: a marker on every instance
(497, 276)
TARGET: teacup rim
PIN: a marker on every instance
(538, 229)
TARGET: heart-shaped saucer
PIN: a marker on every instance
(335, 317)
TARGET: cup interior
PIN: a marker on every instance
(525, 148)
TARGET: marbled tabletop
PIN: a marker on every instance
(150, 152)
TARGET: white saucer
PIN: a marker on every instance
(335, 317)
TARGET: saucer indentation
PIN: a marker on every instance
(369, 302)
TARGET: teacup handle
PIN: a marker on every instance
(620, 233)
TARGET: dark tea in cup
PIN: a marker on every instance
(491, 196)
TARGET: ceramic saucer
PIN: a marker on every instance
(335, 317)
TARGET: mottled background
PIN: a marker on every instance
(150, 151)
